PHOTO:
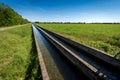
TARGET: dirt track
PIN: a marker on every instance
(5, 28)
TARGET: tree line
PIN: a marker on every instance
(9, 17)
(74, 23)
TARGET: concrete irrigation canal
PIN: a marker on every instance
(63, 59)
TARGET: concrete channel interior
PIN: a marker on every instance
(58, 67)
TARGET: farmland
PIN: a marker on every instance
(105, 37)
(18, 56)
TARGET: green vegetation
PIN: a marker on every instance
(105, 37)
(9, 17)
(18, 56)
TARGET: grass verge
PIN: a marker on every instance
(18, 56)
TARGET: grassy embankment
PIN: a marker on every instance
(18, 56)
(105, 37)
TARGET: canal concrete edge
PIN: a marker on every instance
(45, 75)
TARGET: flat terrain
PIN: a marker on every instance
(18, 56)
(105, 37)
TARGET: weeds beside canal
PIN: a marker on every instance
(18, 56)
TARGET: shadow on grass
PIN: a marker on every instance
(33, 71)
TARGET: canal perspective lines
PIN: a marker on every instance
(90, 66)
(58, 67)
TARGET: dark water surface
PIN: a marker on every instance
(57, 66)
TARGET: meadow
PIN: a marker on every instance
(105, 37)
(18, 56)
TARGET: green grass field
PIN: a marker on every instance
(105, 37)
(18, 56)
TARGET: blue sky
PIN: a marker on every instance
(67, 10)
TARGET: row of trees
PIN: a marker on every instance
(60, 22)
(9, 17)
(73, 23)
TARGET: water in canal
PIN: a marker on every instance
(57, 66)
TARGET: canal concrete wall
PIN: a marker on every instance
(99, 55)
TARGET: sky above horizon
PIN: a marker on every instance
(67, 10)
